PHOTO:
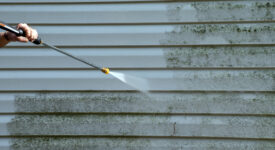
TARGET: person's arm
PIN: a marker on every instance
(3, 40)
(6, 37)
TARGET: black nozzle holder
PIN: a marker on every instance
(19, 32)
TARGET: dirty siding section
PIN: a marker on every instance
(210, 66)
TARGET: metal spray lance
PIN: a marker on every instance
(38, 41)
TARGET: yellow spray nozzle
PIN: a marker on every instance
(105, 70)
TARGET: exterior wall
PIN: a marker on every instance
(210, 67)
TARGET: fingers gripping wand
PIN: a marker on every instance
(38, 41)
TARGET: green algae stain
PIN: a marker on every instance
(95, 102)
(91, 124)
(219, 56)
(220, 34)
(234, 10)
(138, 144)
(268, 7)
(58, 143)
(100, 124)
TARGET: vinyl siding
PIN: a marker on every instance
(210, 67)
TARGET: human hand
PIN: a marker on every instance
(31, 34)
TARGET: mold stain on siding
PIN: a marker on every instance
(138, 144)
(98, 124)
(56, 143)
(81, 102)
(123, 102)
(223, 11)
(225, 56)
(91, 125)
(219, 56)
(220, 34)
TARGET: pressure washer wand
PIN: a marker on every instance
(104, 70)
(38, 41)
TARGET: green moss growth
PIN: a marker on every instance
(219, 56)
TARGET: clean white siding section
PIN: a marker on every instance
(209, 67)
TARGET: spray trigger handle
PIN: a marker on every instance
(22, 33)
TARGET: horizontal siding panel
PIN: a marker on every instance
(139, 12)
(125, 102)
(5, 144)
(142, 35)
(206, 80)
(140, 125)
(131, 143)
(177, 57)
(6, 102)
